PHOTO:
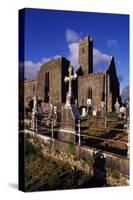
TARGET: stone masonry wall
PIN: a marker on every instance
(29, 90)
(113, 161)
(96, 82)
(56, 69)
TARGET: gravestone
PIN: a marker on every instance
(34, 114)
(94, 113)
(83, 112)
(122, 112)
(70, 114)
(102, 119)
(89, 106)
(89, 102)
(55, 110)
(117, 106)
(102, 111)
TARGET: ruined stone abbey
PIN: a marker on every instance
(89, 88)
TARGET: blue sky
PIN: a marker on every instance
(52, 33)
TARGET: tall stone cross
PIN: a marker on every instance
(69, 80)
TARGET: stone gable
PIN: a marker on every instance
(51, 88)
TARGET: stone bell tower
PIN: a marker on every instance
(86, 55)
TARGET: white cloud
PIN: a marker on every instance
(73, 54)
(100, 59)
(72, 36)
(31, 69)
(44, 60)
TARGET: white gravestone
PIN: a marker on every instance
(89, 102)
(123, 111)
(55, 110)
(83, 112)
(94, 112)
(89, 106)
(34, 112)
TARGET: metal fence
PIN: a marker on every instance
(102, 135)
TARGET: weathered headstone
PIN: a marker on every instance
(102, 111)
(102, 122)
(89, 102)
(94, 113)
(83, 112)
(117, 106)
(55, 110)
(34, 114)
(89, 106)
(70, 114)
(122, 112)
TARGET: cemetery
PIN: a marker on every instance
(49, 169)
(90, 146)
(74, 124)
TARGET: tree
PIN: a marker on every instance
(125, 94)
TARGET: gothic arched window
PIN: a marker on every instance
(83, 50)
(46, 89)
(89, 93)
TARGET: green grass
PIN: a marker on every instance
(40, 168)
(44, 168)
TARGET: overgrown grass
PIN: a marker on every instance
(113, 173)
(71, 149)
(39, 168)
